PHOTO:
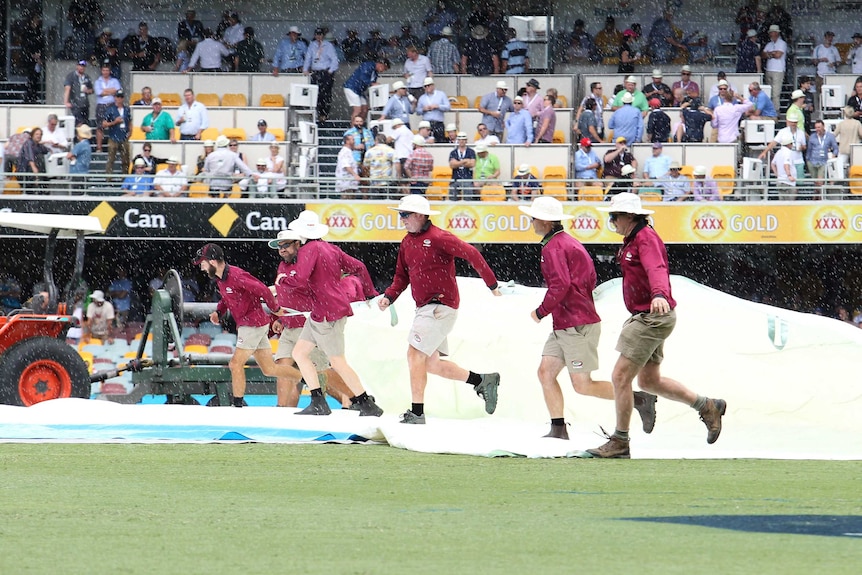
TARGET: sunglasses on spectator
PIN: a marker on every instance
(404, 215)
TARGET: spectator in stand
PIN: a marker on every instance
(762, 104)
(183, 56)
(76, 93)
(725, 118)
(783, 169)
(601, 103)
(587, 163)
(424, 130)
(807, 104)
(608, 39)
(146, 54)
(151, 161)
(587, 124)
(275, 165)
(624, 183)
(99, 319)
(847, 132)
(485, 137)
(689, 87)
(347, 176)
(694, 116)
(84, 16)
(208, 53)
(663, 43)
(117, 125)
(107, 51)
(120, 291)
(321, 64)
(222, 166)
(821, 147)
(525, 186)
(444, 55)
(627, 121)
(675, 187)
(775, 54)
(431, 106)
(533, 101)
(418, 166)
(854, 100)
(403, 144)
(209, 146)
(158, 125)
(748, 54)
(53, 136)
(479, 57)
(190, 29)
(356, 87)
(262, 134)
(234, 33)
(352, 46)
(799, 143)
(826, 57)
(656, 166)
(191, 117)
(146, 98)
(630, 86)
(363, 139)
(451, 133)
(417, 67)
(438, 18)
(139, 183)
(171, 182)
(249, 53)
(658, 89)
(658, 123)
(546, 122)
(290, 54)
(31, 161)
(400, 104)
(703, 189)
(494, 107)
(486, 170)
(854, 55)
(82, 152)
(616, 158)
(581, 48)
(626, 54)
(379, 164)
(515, 55)
(104, 87)
(462, 160)
(519, 124)
(13, 148)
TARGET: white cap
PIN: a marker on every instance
(261, 161)
(140, 163)
(398, 85)
(501, 84)
(699, 171)
(523, 169)
(427, 81)
(461, 136)
(626, 203)
(656, 73)
(451, 128)
(628, 98)
(447, 31)
(723, 83)
(173, 160)
(785, 139)
(416, 204)
(98, 295)
(627, 169)
(424, 124)
(545, 208)
(293, 30)
(631, 79)
(418, 140)
(775, 28)
(222, 141)
(284, 236)
(397, 122)
(797, 94)
(686, 68)
(480, 148)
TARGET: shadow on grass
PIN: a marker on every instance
(826, 525)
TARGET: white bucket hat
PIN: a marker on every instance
(284, 236)
(418, 140)
(523, 169)
(451, 128)
(308, 226)
(397, 85)
(424, 124)
(627, 169)
(428, 81)
(626, 203)
(547, 209)
(222, 141)
(416, 204)
(501, 84)
(699, 171)
(797, 94)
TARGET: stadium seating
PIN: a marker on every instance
(559, 137)
(170, 99)
(278, 133)
(439, 187)
(234, 100)
(234, 133)
(11, 186)
(208, 100)
(459, 102)
(588, 193)
(724, 176)
(554, 182)
(492, 193)
(137, 133)
(272, 101)
(650, 195)
(209, 134)
(856, 179)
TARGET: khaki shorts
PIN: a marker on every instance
(249, 337)
(577, 346)
(642, 337)
(328, 336)
(287, 342)
(431, 326)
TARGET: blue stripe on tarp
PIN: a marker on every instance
(171, 433)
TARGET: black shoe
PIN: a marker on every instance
(318, 406)
(645, 405)
(367, 407)
(355, 406)
(487, 390)
(558, 432)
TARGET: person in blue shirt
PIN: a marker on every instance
(587, 162)
(627, 121)
(290, 54)
(321, 64)
(763, 109)
(357, 85)
(519, 124)
(140, 183)
(822, 146)
(117, 125)
(81, 154)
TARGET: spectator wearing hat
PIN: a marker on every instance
(356, 86)
(675, 187)
(417, 67)
(221, 166)
(657, 166)
(694, 117)
(431, 107)
(171, 182)
(418, 166)
(515, 57)
(826, 57)
(426, 263)
(117, 125)
(462, 160)
(104, 87)
(519, 124)
(77, 88)
(748, 58)
(658, 89)
(775, 55)
(686, 85)
(139, 182)
(608, 39)
(624, 183)
(494, 107)
(626, 54)
(854, 55)
(784, 169)
(99, 319)
(424, 130)
(289, 54)
(444, 55)
(799, 144)
(718, 99)
(587, 124)
(191, 117)
(209, 146)
(451, 133)
(616, 158)
(587, 162)
(479, 57)
(379, 163)
(720, 77)
(546, 123)
(209, 54)
(525, 186)
(321, 64)
(532, 99)
(248, 54)
(795, 109)
(262, 134)
(630, 86)
(267, 184)
(763, 108)
(402, 142)
(82, 152)
(703, 189)
(399, 105)
(486, 169)
(190, 29)
(158, 125)
(107, 51)
(658, 123)
(725, 118)
(627, 121)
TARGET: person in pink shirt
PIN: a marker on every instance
(289, 327)
(241, 293)
(647, 296)
(426, 262)
(703, 189)
(319, 267)
(725, 118)
(570, 275)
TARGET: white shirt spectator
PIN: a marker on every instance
(776, 64)
(344, 180)
(403, 142)
(209, 53)
(489, 140)
(167, 183)
(196, 118)
(417, 71)
(55, 141)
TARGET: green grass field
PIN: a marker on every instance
(333, 509)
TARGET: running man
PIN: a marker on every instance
(647, 295)
(570, 275)
(318, 270)
(241, 293)
(290, 326)
(426, 261)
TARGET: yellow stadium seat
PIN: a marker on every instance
(590, 193)
(199, 190)
(234, 100)
(88, 359)
(559, 137)
(438, 189)
(556, 189)
(564, 103)
(856, 179)
(650, 195)
(138, 133)
(208, 100)
(170, 99)
(209, 134)
(11, 186)
(195, 348)
(477, 101)
(271, 101)
(234, 134)
(278, 133)
(492, 193)
(458, 102)
(724, 176)
(235, 192)
(687, 171)
(554, 173)
(134, 97)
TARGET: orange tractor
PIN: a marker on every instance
(36, 363)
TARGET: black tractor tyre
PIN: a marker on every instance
(42, 368)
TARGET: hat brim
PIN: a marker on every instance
(611, 209)
(274, 243)
(414, 211)
(545, 217)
